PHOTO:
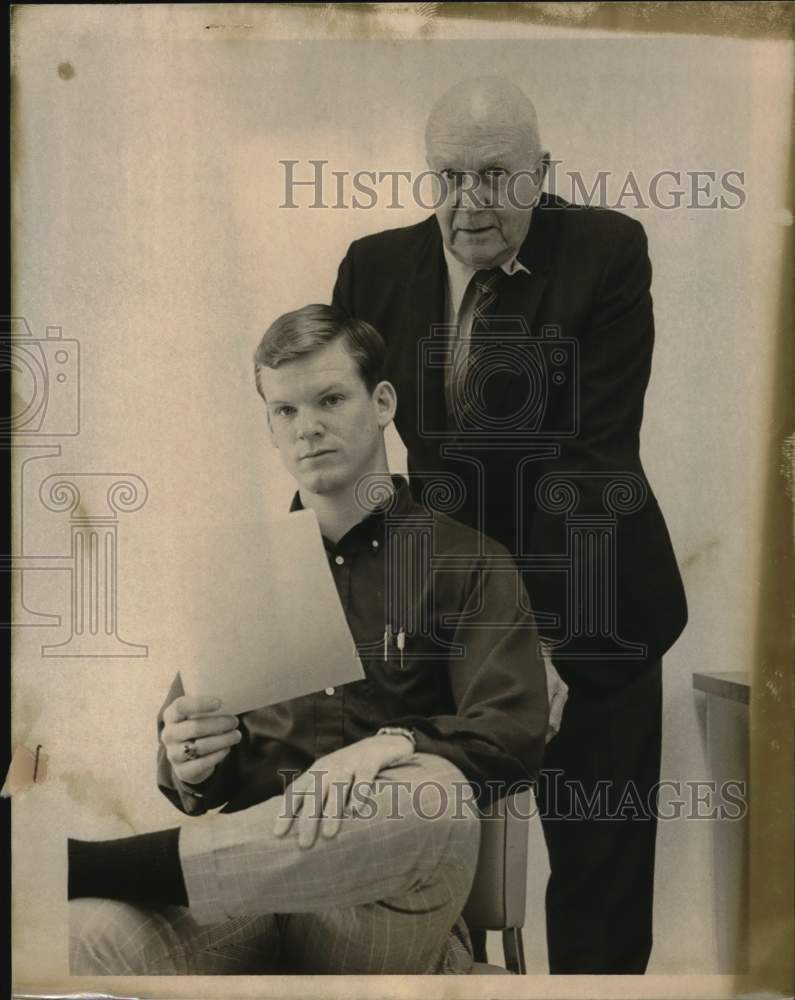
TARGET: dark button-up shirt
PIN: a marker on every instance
(468, 679)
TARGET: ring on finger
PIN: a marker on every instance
(190, 750)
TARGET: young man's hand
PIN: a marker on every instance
(197, 736)
(317, 799)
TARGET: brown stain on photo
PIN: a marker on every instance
(697, 554)
(66, 71)
(28, 706)
(85, 790)
(731, 18)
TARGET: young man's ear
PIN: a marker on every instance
(385, 399)
(271, 433)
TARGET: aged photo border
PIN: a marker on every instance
(771, 809)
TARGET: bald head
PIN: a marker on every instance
(482, 143)
(482, 108)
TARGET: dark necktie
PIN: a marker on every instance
(482, 292)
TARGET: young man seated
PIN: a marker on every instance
(348, 835)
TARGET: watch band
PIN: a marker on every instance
(398, 731)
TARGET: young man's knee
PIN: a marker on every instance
(444, 800)
(442, 790)
(433, 794)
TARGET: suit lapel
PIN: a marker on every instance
(536, 253)
(426, 290)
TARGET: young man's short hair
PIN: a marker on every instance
(303, 331)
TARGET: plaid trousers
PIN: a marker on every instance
(382, 896)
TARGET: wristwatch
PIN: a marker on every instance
(398, 731)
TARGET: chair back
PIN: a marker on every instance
(498, 896)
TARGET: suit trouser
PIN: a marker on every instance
(382, 896)
(601, 837)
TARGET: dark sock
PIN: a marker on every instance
(142, 869)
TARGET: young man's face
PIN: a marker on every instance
(325, 422)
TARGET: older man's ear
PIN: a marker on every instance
(543, 167)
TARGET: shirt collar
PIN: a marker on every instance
(459, 275)
(400, 502)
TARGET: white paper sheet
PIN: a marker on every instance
(262, 614)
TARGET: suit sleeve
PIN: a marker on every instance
(603, 461)
(191, 799)
(343, 295)
(615, 362)
(497, 735)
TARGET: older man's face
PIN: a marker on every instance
(491, 180)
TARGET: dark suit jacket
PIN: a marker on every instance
(580, 369)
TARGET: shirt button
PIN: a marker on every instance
(339, 560)
(375, 543)
(329, 691)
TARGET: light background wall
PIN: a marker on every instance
(146, 225)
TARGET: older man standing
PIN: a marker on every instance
(519, 335)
